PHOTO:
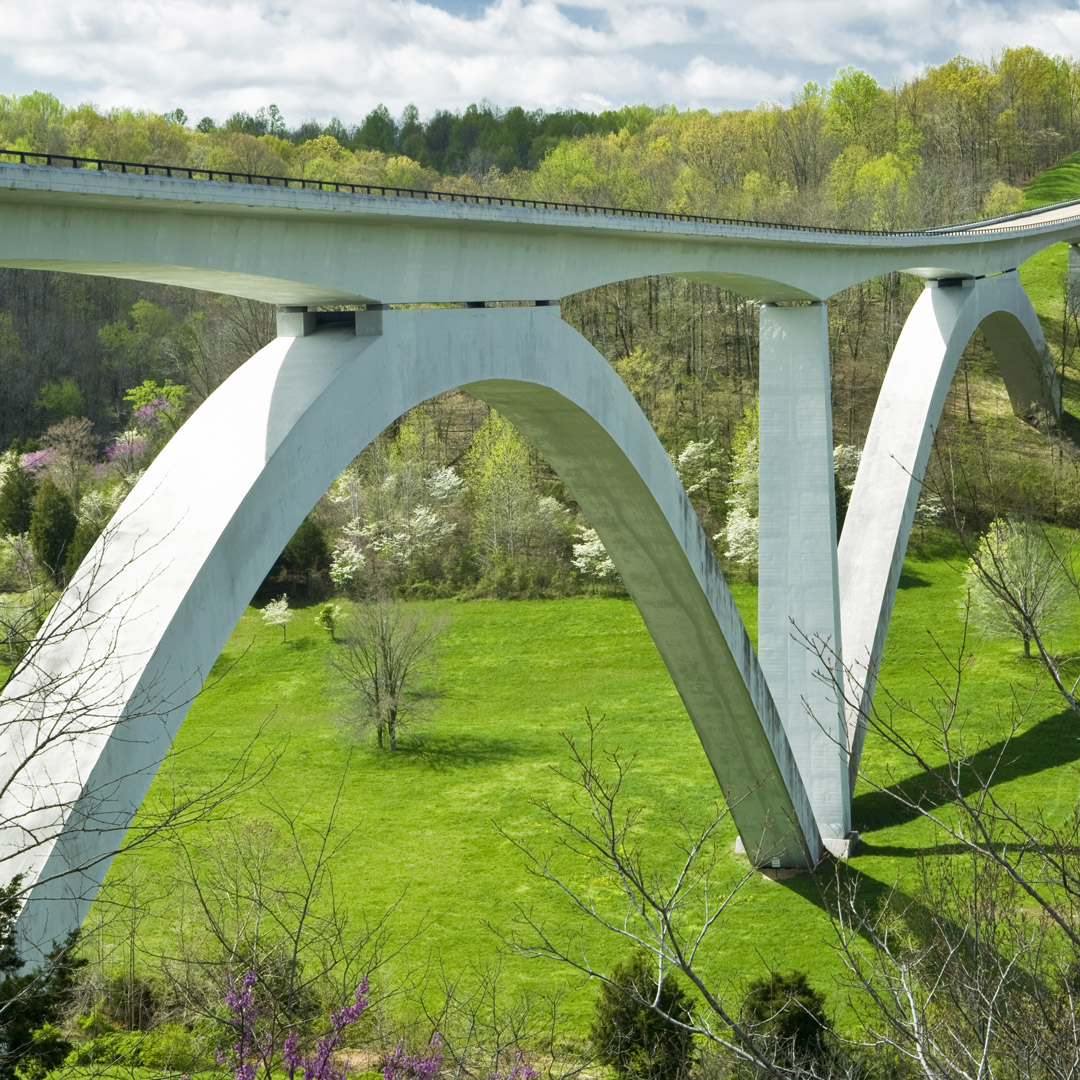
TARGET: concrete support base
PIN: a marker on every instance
(838, 847)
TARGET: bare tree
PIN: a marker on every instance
(975, 975)
(668, 915)
(487, 1029)
(386, 655)
(66, 688)
(259, 895)
(74, 444)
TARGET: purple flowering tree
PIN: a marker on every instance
(253, 1051)
(401, 1065)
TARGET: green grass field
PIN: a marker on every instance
(514, 676)
(1043, 275)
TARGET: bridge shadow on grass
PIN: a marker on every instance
(911, 580)
(1070, 425)
(1049, 744)
(843, 885)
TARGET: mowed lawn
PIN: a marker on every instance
(424, 822)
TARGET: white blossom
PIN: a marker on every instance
(591, 559)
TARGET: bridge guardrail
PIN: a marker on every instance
(186, 172)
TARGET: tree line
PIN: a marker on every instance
(926, 150)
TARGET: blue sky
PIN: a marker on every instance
(342, 57)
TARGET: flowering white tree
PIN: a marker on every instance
(277, 613)
(591, 559)
(740, 532)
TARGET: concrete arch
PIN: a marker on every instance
(889, 481)
(152, 608)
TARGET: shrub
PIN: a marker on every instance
(630, 1035)
(788, 1014)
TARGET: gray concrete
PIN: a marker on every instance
(186, 555)
(292, 247)
(798, 598)
(889, 481)
(1072, 281)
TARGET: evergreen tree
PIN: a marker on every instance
(86, 533)
(31, 1002)
(52, 527)
(788, 1014)
(16, 500)
(641, 1042)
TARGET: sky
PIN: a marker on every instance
(343, 57)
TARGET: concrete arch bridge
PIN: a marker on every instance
(129, 644)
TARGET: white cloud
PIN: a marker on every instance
(213, 57)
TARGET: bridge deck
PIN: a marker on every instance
(306, 247)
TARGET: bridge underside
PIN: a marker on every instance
(128, 646)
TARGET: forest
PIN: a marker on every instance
(957, 142)
(452, 505)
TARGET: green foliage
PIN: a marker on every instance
(1002, 199)
(17, 491)
(31, 1003)
(500, 475)
(328, 618)
(56, 400)
(788, 1015)
(853, 97)
(641, 1042)
(1017, 581)
(86, 533)
(173, 1048)
(52, 527)
(149, 392)
(303, 565)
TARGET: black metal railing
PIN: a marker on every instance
(184, 172)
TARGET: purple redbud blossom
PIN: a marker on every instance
(522, 1070)
(290, 1054)
(401, 1065)
(247, 1053)
(127, 450)
(244, 1013)
(320, 1065)
(37, 460)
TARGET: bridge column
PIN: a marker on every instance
(798, 594)
(1072, 287)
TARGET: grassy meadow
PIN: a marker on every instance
(421, 823)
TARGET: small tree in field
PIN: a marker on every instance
(387, 653)
(1017, 581)
(788, 1015)
(277, 613)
